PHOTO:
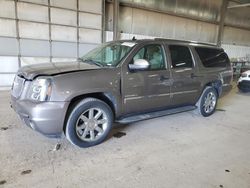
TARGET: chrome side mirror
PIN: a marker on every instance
(139, 64)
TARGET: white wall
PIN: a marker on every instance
(237, 51)
(42, 32)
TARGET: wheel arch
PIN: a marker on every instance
(108, 98)
(217, 84)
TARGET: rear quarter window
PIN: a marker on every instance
(212, 57)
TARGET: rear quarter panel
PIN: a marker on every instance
(213, 74)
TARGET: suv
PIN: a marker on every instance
(120, 81)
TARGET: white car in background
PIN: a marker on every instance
(244, 82)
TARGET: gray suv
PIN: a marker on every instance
(120, 81)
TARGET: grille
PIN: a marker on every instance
(17, 86)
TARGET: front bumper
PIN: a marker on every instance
(244, 85)
(46, 117)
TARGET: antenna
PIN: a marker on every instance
(133, 38)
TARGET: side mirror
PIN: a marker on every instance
(139, 64)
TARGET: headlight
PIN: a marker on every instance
(40, 89)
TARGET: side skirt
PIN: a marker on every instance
(155, 114)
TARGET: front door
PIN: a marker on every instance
(149, 89)
(186, 84)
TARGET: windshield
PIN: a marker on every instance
(108, 54)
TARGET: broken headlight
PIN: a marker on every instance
(40, 89)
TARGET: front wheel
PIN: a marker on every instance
(208, 101)
(89, 123)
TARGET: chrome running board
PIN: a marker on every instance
(155, 114)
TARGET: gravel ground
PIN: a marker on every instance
(179, 151)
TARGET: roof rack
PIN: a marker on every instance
(187, 41)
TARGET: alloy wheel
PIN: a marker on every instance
(210, 102)
(91, 124)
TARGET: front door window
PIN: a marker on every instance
(153, 54)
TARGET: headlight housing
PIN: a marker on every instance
(40, 89)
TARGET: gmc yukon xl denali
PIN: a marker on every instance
(120, 81)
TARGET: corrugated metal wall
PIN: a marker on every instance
(37, 31)
(238, 16)
(236, 36)
(138, 21)
(188, 20)
(237, 52)
(196, 20)
(200, 10)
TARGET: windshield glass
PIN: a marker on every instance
(108, 54)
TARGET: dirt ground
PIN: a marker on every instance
(179, 151)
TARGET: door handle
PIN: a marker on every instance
(163, 78)
(193, 75)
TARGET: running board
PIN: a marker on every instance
(155, 114)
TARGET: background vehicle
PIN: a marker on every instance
(122, 81)
(244, 82)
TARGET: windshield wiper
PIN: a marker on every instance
(90, 61)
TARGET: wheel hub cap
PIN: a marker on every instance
(210, 102)
(91, 124)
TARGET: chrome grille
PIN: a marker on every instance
(17, 86)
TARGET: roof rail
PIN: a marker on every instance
(187, 41)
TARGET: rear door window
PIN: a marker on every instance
(212, 57)
(181, 56)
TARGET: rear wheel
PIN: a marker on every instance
(89, 123)
(208, 101)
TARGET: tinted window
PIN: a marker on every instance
(181, 56)
(212, 57)
(153, 54)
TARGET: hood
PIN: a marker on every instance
(50, 69)
(246, 72)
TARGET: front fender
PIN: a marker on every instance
(68, 86)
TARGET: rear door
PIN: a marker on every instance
(186, 83)
(146, 90)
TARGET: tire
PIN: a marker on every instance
(89, 123)
(205, 106)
